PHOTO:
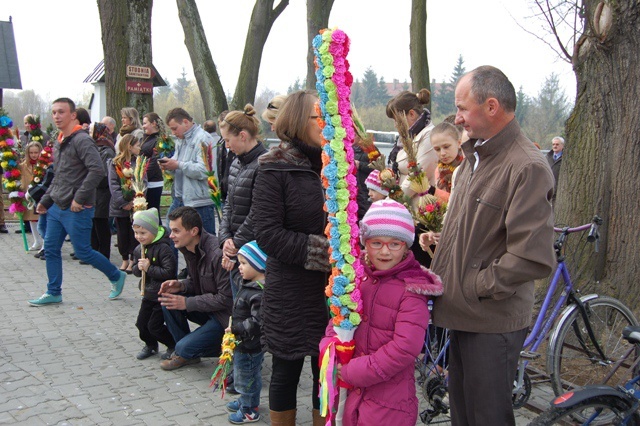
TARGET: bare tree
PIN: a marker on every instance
(603, 150)
(318, 12)
(213, 96)
(126, 39)
(204, 69)
(418, 46)
(262, 19)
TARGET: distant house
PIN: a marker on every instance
(98, 102)
(396, 87)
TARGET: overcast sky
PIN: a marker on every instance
(59, 42)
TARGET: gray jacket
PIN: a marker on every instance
(190, 181)
(79, 170)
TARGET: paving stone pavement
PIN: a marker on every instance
(74, 363)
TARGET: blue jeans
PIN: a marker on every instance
(206, 214)
(61, 223)
(204, 341)
(42, 225)
(247, 378)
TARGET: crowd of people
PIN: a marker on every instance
(267, 265)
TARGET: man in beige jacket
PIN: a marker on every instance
(496, 240)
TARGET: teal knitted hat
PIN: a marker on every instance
(254, 255)
(147, 219)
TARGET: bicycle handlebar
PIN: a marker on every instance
(595, 223)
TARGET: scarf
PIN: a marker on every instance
(314, 154)
(445, 172)
(422, 122)
(125, 130)
(102, 136)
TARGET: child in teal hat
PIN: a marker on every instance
(159, 264)
(245, 325)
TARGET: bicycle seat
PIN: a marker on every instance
(632, 333)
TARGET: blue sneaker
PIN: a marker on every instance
(117, 286)
(46, 299)
(240, 417)
(233, 406)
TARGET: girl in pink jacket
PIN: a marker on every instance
(395, 291)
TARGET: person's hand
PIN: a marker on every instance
(428, 239)
(229, 249)
(173, 302)
(143, 264)
(227, 263)
(128, 206)
(227, 330)
(170, 164)
(339, 368)
(75, 207)
(171, 286)
(40, 209)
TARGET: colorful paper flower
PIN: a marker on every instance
(330, 48)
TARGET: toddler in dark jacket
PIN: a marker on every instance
(159, 264)
(245, 325)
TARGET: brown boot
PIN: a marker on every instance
(283, 418)
(318, 420)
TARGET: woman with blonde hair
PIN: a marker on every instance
(130, 124)
(271, 113)
(240, 131)
(121, 205)
(289, 224)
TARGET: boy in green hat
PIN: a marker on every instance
(159, 264)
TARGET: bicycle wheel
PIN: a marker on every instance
(598, 410)
(432, 379)
(573, 360)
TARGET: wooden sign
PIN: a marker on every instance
(135, 71)
(145, 87)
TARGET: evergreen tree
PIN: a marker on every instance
(296, 86)
(181, 87)
(458, 71)
(370, 88)
(523, 104)
(382, 95)
(357, 96)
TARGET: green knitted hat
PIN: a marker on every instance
(147, 219)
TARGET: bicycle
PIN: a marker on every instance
(599, 405)
(580, 342)
(585, 340)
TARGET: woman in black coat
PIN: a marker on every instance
(101, 231)
(151, 124)
(239, 130)
(289, 224)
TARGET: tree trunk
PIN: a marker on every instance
(418, 46)
(204, 69)
(262, 19)
(139, 38)
(318, 12)
(602, 153)
(126, 39)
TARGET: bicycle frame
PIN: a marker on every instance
(542, 326)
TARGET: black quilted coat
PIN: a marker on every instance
(288, 206)
(236, 222)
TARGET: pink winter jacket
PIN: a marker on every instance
(391, 335)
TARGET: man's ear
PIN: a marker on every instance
(492, 106)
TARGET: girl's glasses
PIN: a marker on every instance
(377, 245)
